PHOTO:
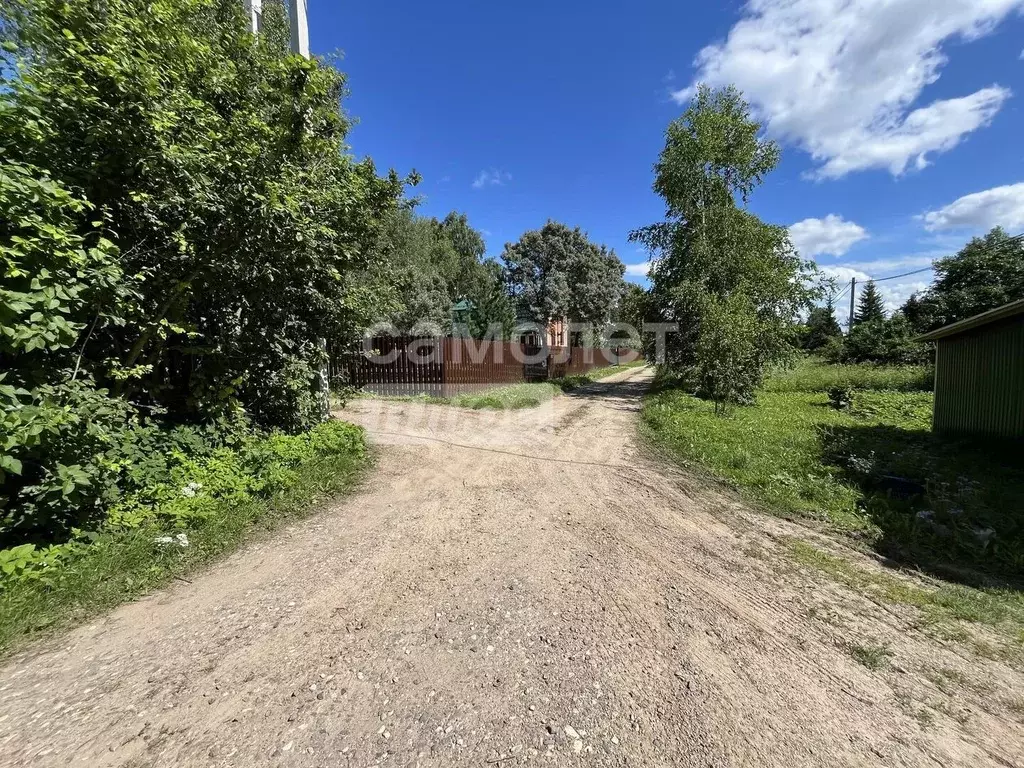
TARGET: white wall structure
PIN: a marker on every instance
(296, 20)
(300, 27)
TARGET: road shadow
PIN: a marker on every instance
(952, 508)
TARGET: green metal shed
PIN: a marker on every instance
(979, 374)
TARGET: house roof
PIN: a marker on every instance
(999, 313)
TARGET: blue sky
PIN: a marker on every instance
(900, 121)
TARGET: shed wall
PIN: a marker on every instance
(979, 381)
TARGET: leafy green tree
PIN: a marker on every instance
(422, 267)
(218, 160)
(726, 351)
(413, 266)
(632, 311)
(821, 326)
(708, 246)
(886, 341)
(557, 272)
(924, 312)
(870, 305)
(986, 273)
(492, 307)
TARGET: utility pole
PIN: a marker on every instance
(853, 295)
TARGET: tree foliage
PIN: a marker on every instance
(885, 341)
(714, 259)
(422, 267)
(986, 273)
(178, 220)
(556, 271)
(217, 161)
(870, 305)
(821, 327)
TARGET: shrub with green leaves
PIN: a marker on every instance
(216, 160)
(189, 490)
(179, 217)
(61, 283)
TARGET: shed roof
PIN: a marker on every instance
(999, 313)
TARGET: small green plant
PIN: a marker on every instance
(871, 656)
(198, 505)
(841, 397)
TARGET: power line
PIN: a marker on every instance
(986, 249)
(896, 277)
(837, 296)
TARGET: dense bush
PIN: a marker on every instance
(215, 161)
(62, 282)
(178, 219)
(188, 480)
(886, 341)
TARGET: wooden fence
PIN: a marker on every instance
(444, 367)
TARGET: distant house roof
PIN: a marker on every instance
(464, 306)
(999, 313)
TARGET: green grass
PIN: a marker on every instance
(505, 397)
(944, 602)
(569, 383)
(871, 656)
(812, 375)
(508, 397)
(798, 457)
(771, 451)
(119, 567)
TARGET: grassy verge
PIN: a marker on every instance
(772, 451)
(119, 565)
(941, 606)
(569, 383)
(508, 397)
(951, 508)
(813, 375)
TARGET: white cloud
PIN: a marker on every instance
(1000, 206)
(832, 235)
(491, 178)
(886, 266)
(638, 270)
(840, 78)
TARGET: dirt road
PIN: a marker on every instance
(509, 589)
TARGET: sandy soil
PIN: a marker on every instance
(510, 589)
